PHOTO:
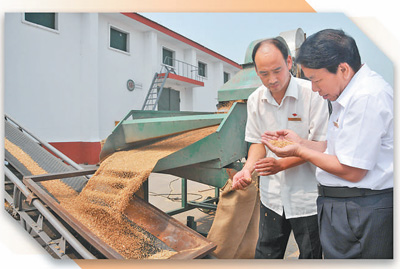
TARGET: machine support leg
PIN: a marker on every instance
(146, 190)
(191, 223)
(216, 193)
(184, 192)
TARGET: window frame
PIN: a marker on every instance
(229, 76)
(127, 52)
(205, 69)
(162, 56)
(56, 22)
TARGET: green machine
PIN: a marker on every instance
(213, 159)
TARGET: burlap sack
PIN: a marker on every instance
(235, 226)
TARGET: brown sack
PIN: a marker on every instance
(235, 226)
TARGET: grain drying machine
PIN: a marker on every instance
(211, 160)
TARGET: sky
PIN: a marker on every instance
(229, 34)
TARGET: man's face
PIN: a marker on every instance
(327, 84)
(272, 68)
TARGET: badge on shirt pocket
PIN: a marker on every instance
(336, 123)
(294, 117)
(298, 125)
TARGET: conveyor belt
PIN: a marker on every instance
(40, 155)
(165, 233)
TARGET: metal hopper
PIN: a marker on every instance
(210, 160)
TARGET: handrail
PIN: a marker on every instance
(181, 68)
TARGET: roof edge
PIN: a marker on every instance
(179, 37)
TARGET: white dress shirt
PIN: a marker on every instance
(360, 131)
(305, 112)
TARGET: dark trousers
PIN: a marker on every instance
(357, 227)
(274, 232)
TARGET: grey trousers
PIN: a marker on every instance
(357, 227)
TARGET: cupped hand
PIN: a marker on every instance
(241, 180)
(282, 134)
(287, 151)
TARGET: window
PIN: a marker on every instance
(226, 77)
(202, 69)
(119, 39)
(168, 57)
(48, 20)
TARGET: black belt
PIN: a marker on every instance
(346, 192)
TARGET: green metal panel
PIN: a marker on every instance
(169, 100)
(163, 102)
(174, 100)
(142, 129)
(147, 125)
(249, 52)
(146, 114)
(215, 177)
(240, 86)
(224, 146)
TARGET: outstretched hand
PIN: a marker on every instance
(241, 180)
(282, 134)
(289, 142)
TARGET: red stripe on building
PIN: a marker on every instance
(179, 37)
(184, 79)
(80, 152)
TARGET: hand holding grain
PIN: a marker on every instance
(284, 143)
(241, 180)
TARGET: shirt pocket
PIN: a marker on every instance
(299, 127)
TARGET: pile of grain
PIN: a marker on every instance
(101, 203)
(280, 143)
(225, 106)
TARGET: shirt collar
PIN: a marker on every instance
(345, 96)
(291, 91)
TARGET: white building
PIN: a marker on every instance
(68, 75)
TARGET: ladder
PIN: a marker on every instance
(156, 87)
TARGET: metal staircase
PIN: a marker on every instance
(156, 88)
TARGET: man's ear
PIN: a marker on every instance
(345, 71)
(289, 62)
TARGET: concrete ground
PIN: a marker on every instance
(164, 193)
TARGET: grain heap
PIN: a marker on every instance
(280, 143)
(101, 203)
(225, 106)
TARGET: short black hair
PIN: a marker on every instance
(327, 49)
(274, 41)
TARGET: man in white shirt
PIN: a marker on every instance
(355, 164)
(288, 188)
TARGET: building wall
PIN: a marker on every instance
(46, 79)
(115, 68)
(69, 87)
